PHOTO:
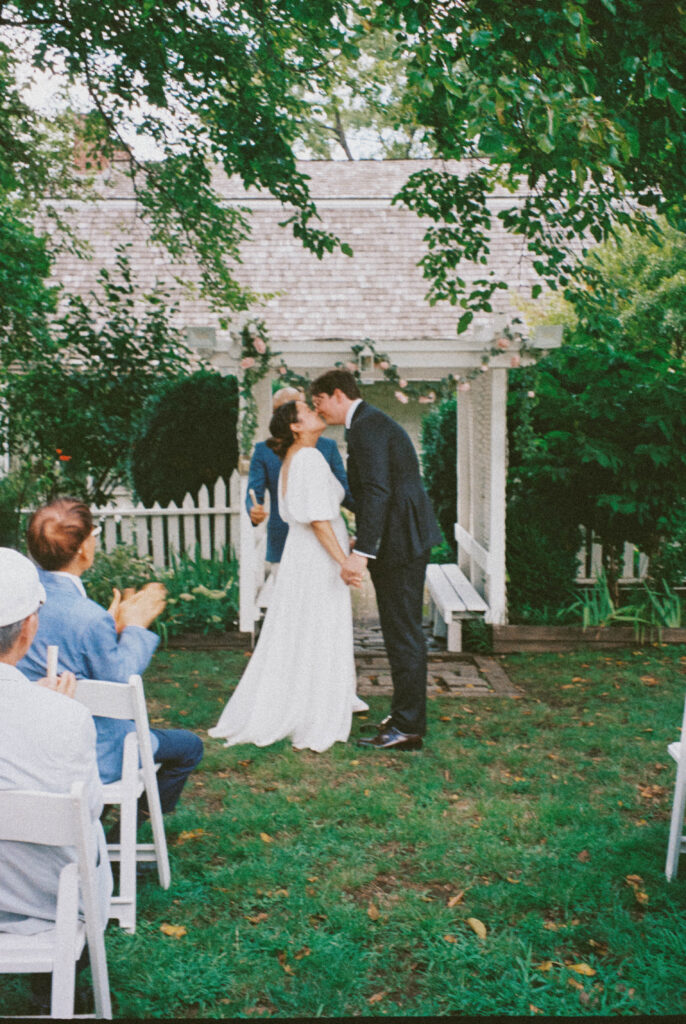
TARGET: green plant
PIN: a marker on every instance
(202, 594)
(122, 567)
(439, 463)
(188, 439)
(665, 606)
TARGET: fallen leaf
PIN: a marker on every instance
(574, 983)
(457, 898)
(266, 838)
(534, 1009)
(305, 951)
(175, 931)
(281, 957)
(602, 947)
(373, 912)
(449, 938)
(376, 998)
(650, 680)
(477, 926)
(256, 918)
(545, 966)
(244, 764)
(445, 718)
(280, 892)
(585, 969)
(513, 881)
(584, 856)
(195, 833)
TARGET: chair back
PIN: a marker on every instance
(119, 700)
(63, 819)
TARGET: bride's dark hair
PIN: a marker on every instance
(282, 437)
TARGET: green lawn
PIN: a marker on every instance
(344, 883)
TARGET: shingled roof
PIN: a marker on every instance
(318, 308)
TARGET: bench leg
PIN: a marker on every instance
(454, 635)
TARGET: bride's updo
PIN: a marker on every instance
(282, 437)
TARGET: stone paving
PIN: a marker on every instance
(449, 675)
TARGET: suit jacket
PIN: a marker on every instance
(90, 647)
(263, 476)
(394, 519)
(47, 742)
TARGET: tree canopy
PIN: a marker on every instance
(580, 101)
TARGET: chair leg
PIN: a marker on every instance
(66, 953)
(123, 906)
(677, 823)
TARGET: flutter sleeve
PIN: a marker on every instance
(312, 491)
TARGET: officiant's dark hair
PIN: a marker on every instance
(282, 436)
(327, 383)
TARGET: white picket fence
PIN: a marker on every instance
(634, 562)
(209, 525)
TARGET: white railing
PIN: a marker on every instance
(210, 525)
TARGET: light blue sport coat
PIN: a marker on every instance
(90, 647)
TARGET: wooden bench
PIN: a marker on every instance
(451, 598)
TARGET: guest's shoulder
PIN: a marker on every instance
(327, 446)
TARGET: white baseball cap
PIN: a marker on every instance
(21, 591)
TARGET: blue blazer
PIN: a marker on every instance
(263, 476)
(90, 647)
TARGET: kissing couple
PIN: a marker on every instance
(300, 682)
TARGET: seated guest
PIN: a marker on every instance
(47, 742)
(98, 643)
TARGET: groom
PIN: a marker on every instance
(396, 529)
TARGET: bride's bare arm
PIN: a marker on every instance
(323, 531)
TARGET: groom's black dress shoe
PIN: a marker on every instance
(390, 738)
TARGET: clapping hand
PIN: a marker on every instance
(137, 608)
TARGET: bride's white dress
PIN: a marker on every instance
(300, 681)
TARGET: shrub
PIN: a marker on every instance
(202, 593)
(439, 460)
(189, 439)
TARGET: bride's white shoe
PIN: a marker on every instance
(359, 705)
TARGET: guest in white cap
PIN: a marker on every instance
(47, 742)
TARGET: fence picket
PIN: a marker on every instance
(173, 538)
(204, 522)
(219, 519)
(157, 536)
(188, 526)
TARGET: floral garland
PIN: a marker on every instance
(256, 359)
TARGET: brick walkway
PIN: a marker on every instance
(449, 675)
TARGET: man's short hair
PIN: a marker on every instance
(332, 380)
(8, 636)
(57, 531)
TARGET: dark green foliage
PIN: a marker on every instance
(73, 412)
(439, 462)
(189, 439)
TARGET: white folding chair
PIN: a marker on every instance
(58, 819)
(127, 701)
(677, 840)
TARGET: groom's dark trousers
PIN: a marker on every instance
(396, 527)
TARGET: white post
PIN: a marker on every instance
(495, 583)
(247, 569)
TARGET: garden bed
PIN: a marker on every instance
(510, 639)
(230, 640)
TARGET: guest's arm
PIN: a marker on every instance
(257, 482)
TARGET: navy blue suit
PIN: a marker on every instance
(396, 525)
(263, 476)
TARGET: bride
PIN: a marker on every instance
(300, 681)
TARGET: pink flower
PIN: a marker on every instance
(247, 362)
(428, 399)
(503, 344)
(282, 370)
(259, 346)
(484, 367)
(531, 394)
(402, 397)
(402, 383)
(351, 366)
(515, 360)
(384, 364)
(464, 385)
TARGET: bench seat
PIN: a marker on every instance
(451, 598)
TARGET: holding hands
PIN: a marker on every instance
(353, 569)
(64, 684)
(137, 608)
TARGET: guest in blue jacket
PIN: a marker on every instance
(98, 643)
(263, 477)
